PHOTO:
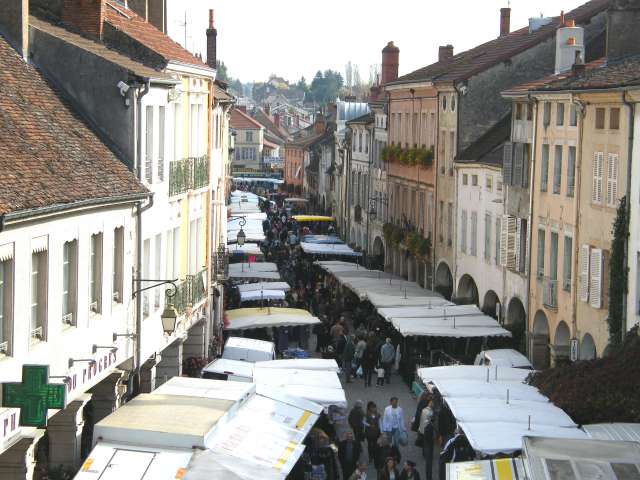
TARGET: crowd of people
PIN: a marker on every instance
(341, 446)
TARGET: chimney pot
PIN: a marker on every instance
(445, 53)
(212, 43)
(505, 21)
(390, 63)
(211, 18)
(85, 16)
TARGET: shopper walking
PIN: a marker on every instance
(393, 424)
(387, 357)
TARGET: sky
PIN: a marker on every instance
(294, 38)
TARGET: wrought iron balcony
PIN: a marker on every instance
(189, 292)
(550, 293)
(188, 174)
(197, 291)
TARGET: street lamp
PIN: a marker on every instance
(241, 236)
(170, 314)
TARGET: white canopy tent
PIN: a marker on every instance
(328, 239)
(478, 389)
(381, 300)
(427, 312)
(255, 266)
(327, 365)
(329, 249)
(246, 249)
(275, 181)
(254, 270)
(257, 295)
(456, 327)
(249, 287)
(244, 318)
(474, 373)
(516, 411)
(281, 377)
(492, 438)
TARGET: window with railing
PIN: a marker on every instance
(188, 174)
(189, 292)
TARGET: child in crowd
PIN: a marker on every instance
(380, 372)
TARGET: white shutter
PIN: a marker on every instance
(612, 179)
(507, 163)
(596, 193)
(504, 235)
(595, 296)
(518, 236)
(585, 252)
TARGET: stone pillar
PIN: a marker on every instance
(18, 462)
(171, 364)
(107, 395)
(65, 434)
(196, 344)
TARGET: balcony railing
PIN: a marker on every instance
(36, 334)
(67, 319)
(189, 292)
(550, 293)
(188, 174)
(197, 291)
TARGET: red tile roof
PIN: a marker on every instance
(136, 27)
(48, 156)
(601, 75)
(240, 120)
(478, 59)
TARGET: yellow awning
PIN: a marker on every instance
(312, 218)
(252, 312)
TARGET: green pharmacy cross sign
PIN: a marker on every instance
(34, 396)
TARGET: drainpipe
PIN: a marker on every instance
(576, 241)
(532, 186)
(632, 126)
(142, 91)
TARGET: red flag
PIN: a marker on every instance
(251, 259)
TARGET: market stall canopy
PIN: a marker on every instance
(255, 270)
(257, 295)
(295, 200)
(516, 411)
(328, 365)
(241, 208)
(504, 357)
(312, 218)
(338, 249)
(247, 249)
(329, 239)
(282, 377)
(381, 300)
(429, 312)
(250, 287)
(480, 390)
(474, 373)
(614, 431)
(226, 366)
(456, 327)
(492, 438)
(244, 318)
(274, 181)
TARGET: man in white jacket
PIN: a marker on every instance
(392, 422)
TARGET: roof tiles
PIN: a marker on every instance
(48, 156)
(478, 59)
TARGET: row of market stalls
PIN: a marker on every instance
(197, 429)
(412, 310)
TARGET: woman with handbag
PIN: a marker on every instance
(372, 429)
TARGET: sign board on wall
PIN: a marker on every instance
(573, 346)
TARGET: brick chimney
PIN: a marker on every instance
(505, 21)
(86, 16)
(14, 24)
(320, 125)
(212, 42)
(141, 7)
(390, 63)
(623, 34)
(276, 119)
(445, 53)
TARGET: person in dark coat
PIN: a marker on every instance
(369, 359)
(349, 451)
(372, 430)
(356, 420)
(348, 353)
(384, 451)
(457, 449)
(389, 470)
(409, 471)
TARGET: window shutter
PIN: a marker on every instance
(612, 179)
(507, 163)
(594, 177)
(517, 244)
(517, 164)
(525, 165)
(585, 252)
(510, 243)
(504, 240)
(596, 278)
